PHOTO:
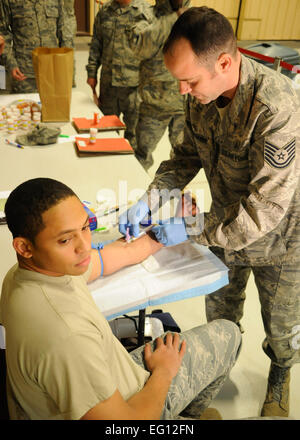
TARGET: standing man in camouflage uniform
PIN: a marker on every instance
(119, 66)
(162, 105)
(243, 127)
(25, 26)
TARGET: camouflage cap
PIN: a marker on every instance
(40, 135)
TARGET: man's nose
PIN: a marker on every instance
(83, 244)
(184, 87)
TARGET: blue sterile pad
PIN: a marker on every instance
(178, 272)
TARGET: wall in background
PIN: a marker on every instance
(269, 20)
(250, 19)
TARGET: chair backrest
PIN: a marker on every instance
(4, 415)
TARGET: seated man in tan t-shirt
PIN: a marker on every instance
(63, 362)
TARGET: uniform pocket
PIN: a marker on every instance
(234, 170)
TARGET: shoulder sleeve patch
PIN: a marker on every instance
(280, 157)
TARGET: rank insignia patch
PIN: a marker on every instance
(280, 157)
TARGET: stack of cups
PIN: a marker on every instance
(3, 115)
(2, 122)
(27, 111)
(3, 112)
(10, 125)
(14, 118)
(35, 108)
(25, 122)
(16, 115)
(16, 123)
(36, 118)
(93, 133)
(9, 114)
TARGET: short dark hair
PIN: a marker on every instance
(27, 203)
(208, 31)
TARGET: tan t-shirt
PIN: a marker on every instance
(62, 358)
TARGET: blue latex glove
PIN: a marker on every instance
(133, 217)
(170, 232)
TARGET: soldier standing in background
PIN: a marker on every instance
(162, 105)
(119, 66)
(243, 127)
(26, 26)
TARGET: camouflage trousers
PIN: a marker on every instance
(211, 352)
(150, 129)
(26, 86)
(279, 294)
(117, 100)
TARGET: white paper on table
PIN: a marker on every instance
(178, 269)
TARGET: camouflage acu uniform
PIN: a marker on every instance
(70, 24)
(162, 105)
(251, 160)
(211, 353)
(70, 27)
(26, 25)
(120, 67)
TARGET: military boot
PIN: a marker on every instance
(277, 398)
(207, 414)
(210, 414)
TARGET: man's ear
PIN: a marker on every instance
(23, 247)
(224, 62)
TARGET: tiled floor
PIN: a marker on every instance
(243, 394)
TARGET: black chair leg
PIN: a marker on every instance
(3, 398)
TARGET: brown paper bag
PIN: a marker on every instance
(53, 69)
